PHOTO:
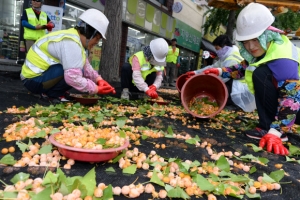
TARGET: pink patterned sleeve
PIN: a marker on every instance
(137, 75)
(89, 72)
(136, 64)
(74, 77)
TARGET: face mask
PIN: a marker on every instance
(222, 52)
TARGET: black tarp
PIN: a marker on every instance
(13, 93)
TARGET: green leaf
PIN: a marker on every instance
(255, 148)
(50, 178)
(99, 119)
(121, 121)
(130, 170)
(110, 169)
(277, 175)
(144, 137)
(29, 143)
(23, 147)
(45, 149)
(41, 134)
(8, 160)
(101, 141)
(10, 195)
(80, 186)
(108, 193)
(263, 160)
(19, 177)
(122, 134)
(193, 140)
(252, 170)
(293, 150)
(55, 130)
(89, 180)
(267, 179)
(176, 193)
(223, 164)
(44, 194)
(186, 166)
(62, 177)
(156, 180)
(170, 130)
(253, 196)
(196, 163)
(203, 183)
(63, 189)
(116, 159)
(239, 178)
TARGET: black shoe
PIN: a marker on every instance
(68, 96)
(258, 133)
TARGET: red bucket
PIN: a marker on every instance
(200, 86)
(180, 82)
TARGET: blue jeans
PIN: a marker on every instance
(51, 82)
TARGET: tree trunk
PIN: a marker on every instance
(230, 24)
(111, 47)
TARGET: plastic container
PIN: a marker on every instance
(85, 100)
(87, 155)
(201, 86)
(180, 82)
(164, 102)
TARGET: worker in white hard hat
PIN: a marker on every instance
(144, 72)
(272, 74)
(57, 62)
(35, 21)
(229, 55)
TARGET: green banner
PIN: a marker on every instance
(187, 36)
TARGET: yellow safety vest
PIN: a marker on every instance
(39, 60)
(172, 55)
(235, 56)
(146, 68)
(275, 51)
(30, 34)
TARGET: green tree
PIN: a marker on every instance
(289, 20)
(218, 17)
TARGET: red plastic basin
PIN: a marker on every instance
(85, 100)
(180, 82)
(87, 155)
(203, 85)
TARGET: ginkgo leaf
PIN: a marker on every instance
(130, 170)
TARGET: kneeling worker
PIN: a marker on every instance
(144, 72)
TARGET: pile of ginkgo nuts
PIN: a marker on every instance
(83, 126)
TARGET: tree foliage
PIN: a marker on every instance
(217, 17)
(289, 20)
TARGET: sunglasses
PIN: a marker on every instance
(37, 0)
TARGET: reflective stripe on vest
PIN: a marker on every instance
(275, 51)
(32, 34)
(235, 56)
(172, 55)
(38, 59)
(146, 68)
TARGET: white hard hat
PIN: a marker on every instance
(252, 21)
(95, 19)
(159, 48)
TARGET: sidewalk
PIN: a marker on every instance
(9, 65)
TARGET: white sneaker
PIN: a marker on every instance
(125, 94)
